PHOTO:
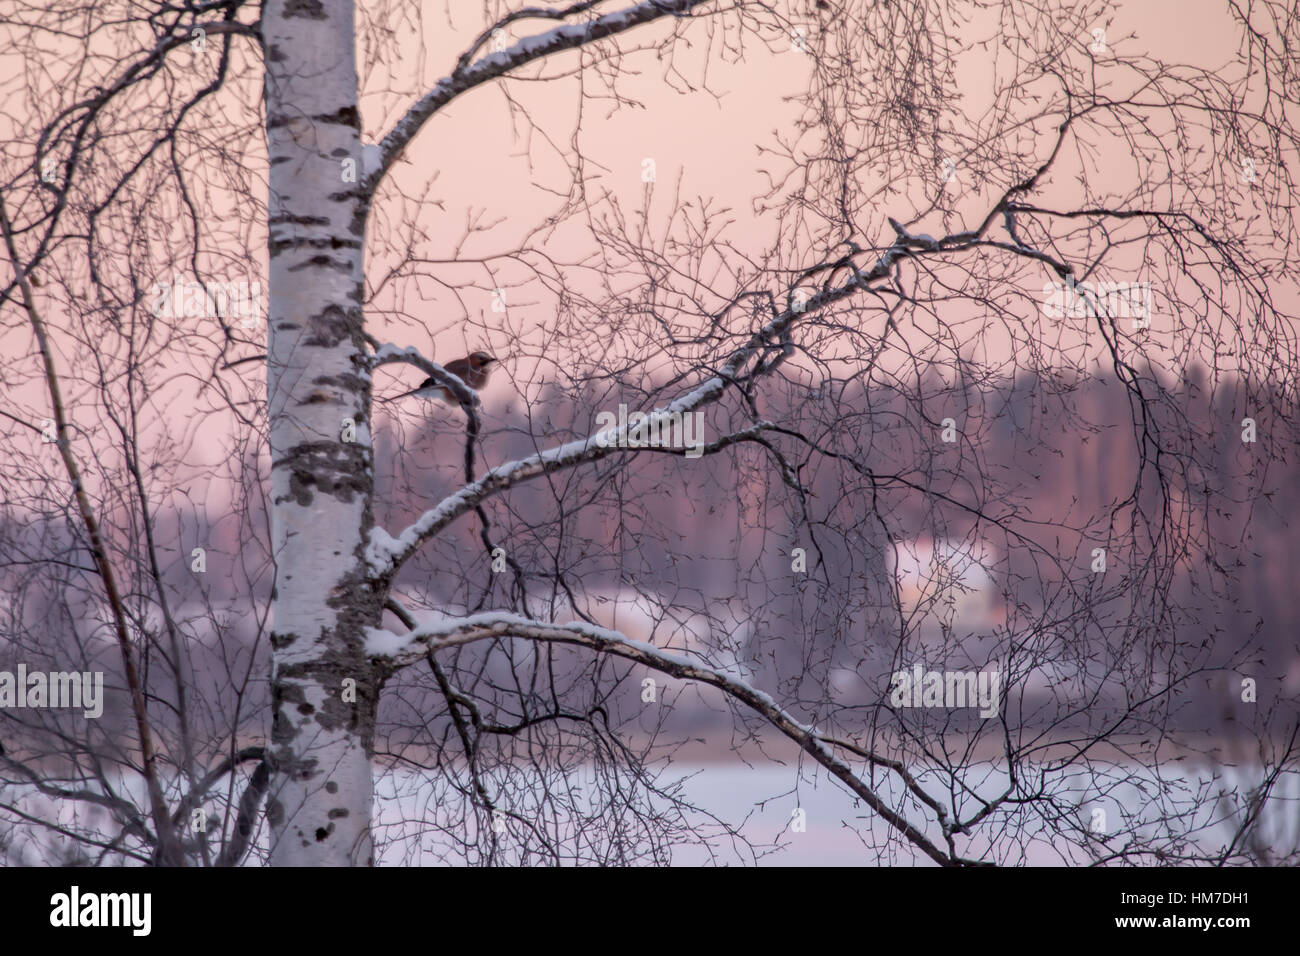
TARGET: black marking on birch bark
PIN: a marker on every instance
(339, 658)
(305, 242)
(343, 116)
(304, 10)
(360, 214)
(323, 262)
(326, 673)
(335, 468)
(286, 218)
(360, 209)
(280, 641)
(277, 246)
(358, 607)
(332, 325)
(285, 694)
(346, 381)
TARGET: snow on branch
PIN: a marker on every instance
(438, 633)
(389, 353)
(386, 553)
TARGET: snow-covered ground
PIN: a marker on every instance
(761, 801)
(839, 830)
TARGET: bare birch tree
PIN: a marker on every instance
(866, 445)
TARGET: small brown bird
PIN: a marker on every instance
(473, 370)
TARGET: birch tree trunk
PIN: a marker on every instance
(319, 394)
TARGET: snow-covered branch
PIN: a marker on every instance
(386, 553)
(389, 353)
(466, 77)
(440, 634)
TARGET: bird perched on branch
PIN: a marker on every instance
(473, 370)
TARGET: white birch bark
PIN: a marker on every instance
(319, 805)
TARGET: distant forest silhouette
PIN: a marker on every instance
(716, 526)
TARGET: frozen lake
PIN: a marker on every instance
(759, 801)
(841, 830)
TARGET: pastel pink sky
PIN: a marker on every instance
(475, 162)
